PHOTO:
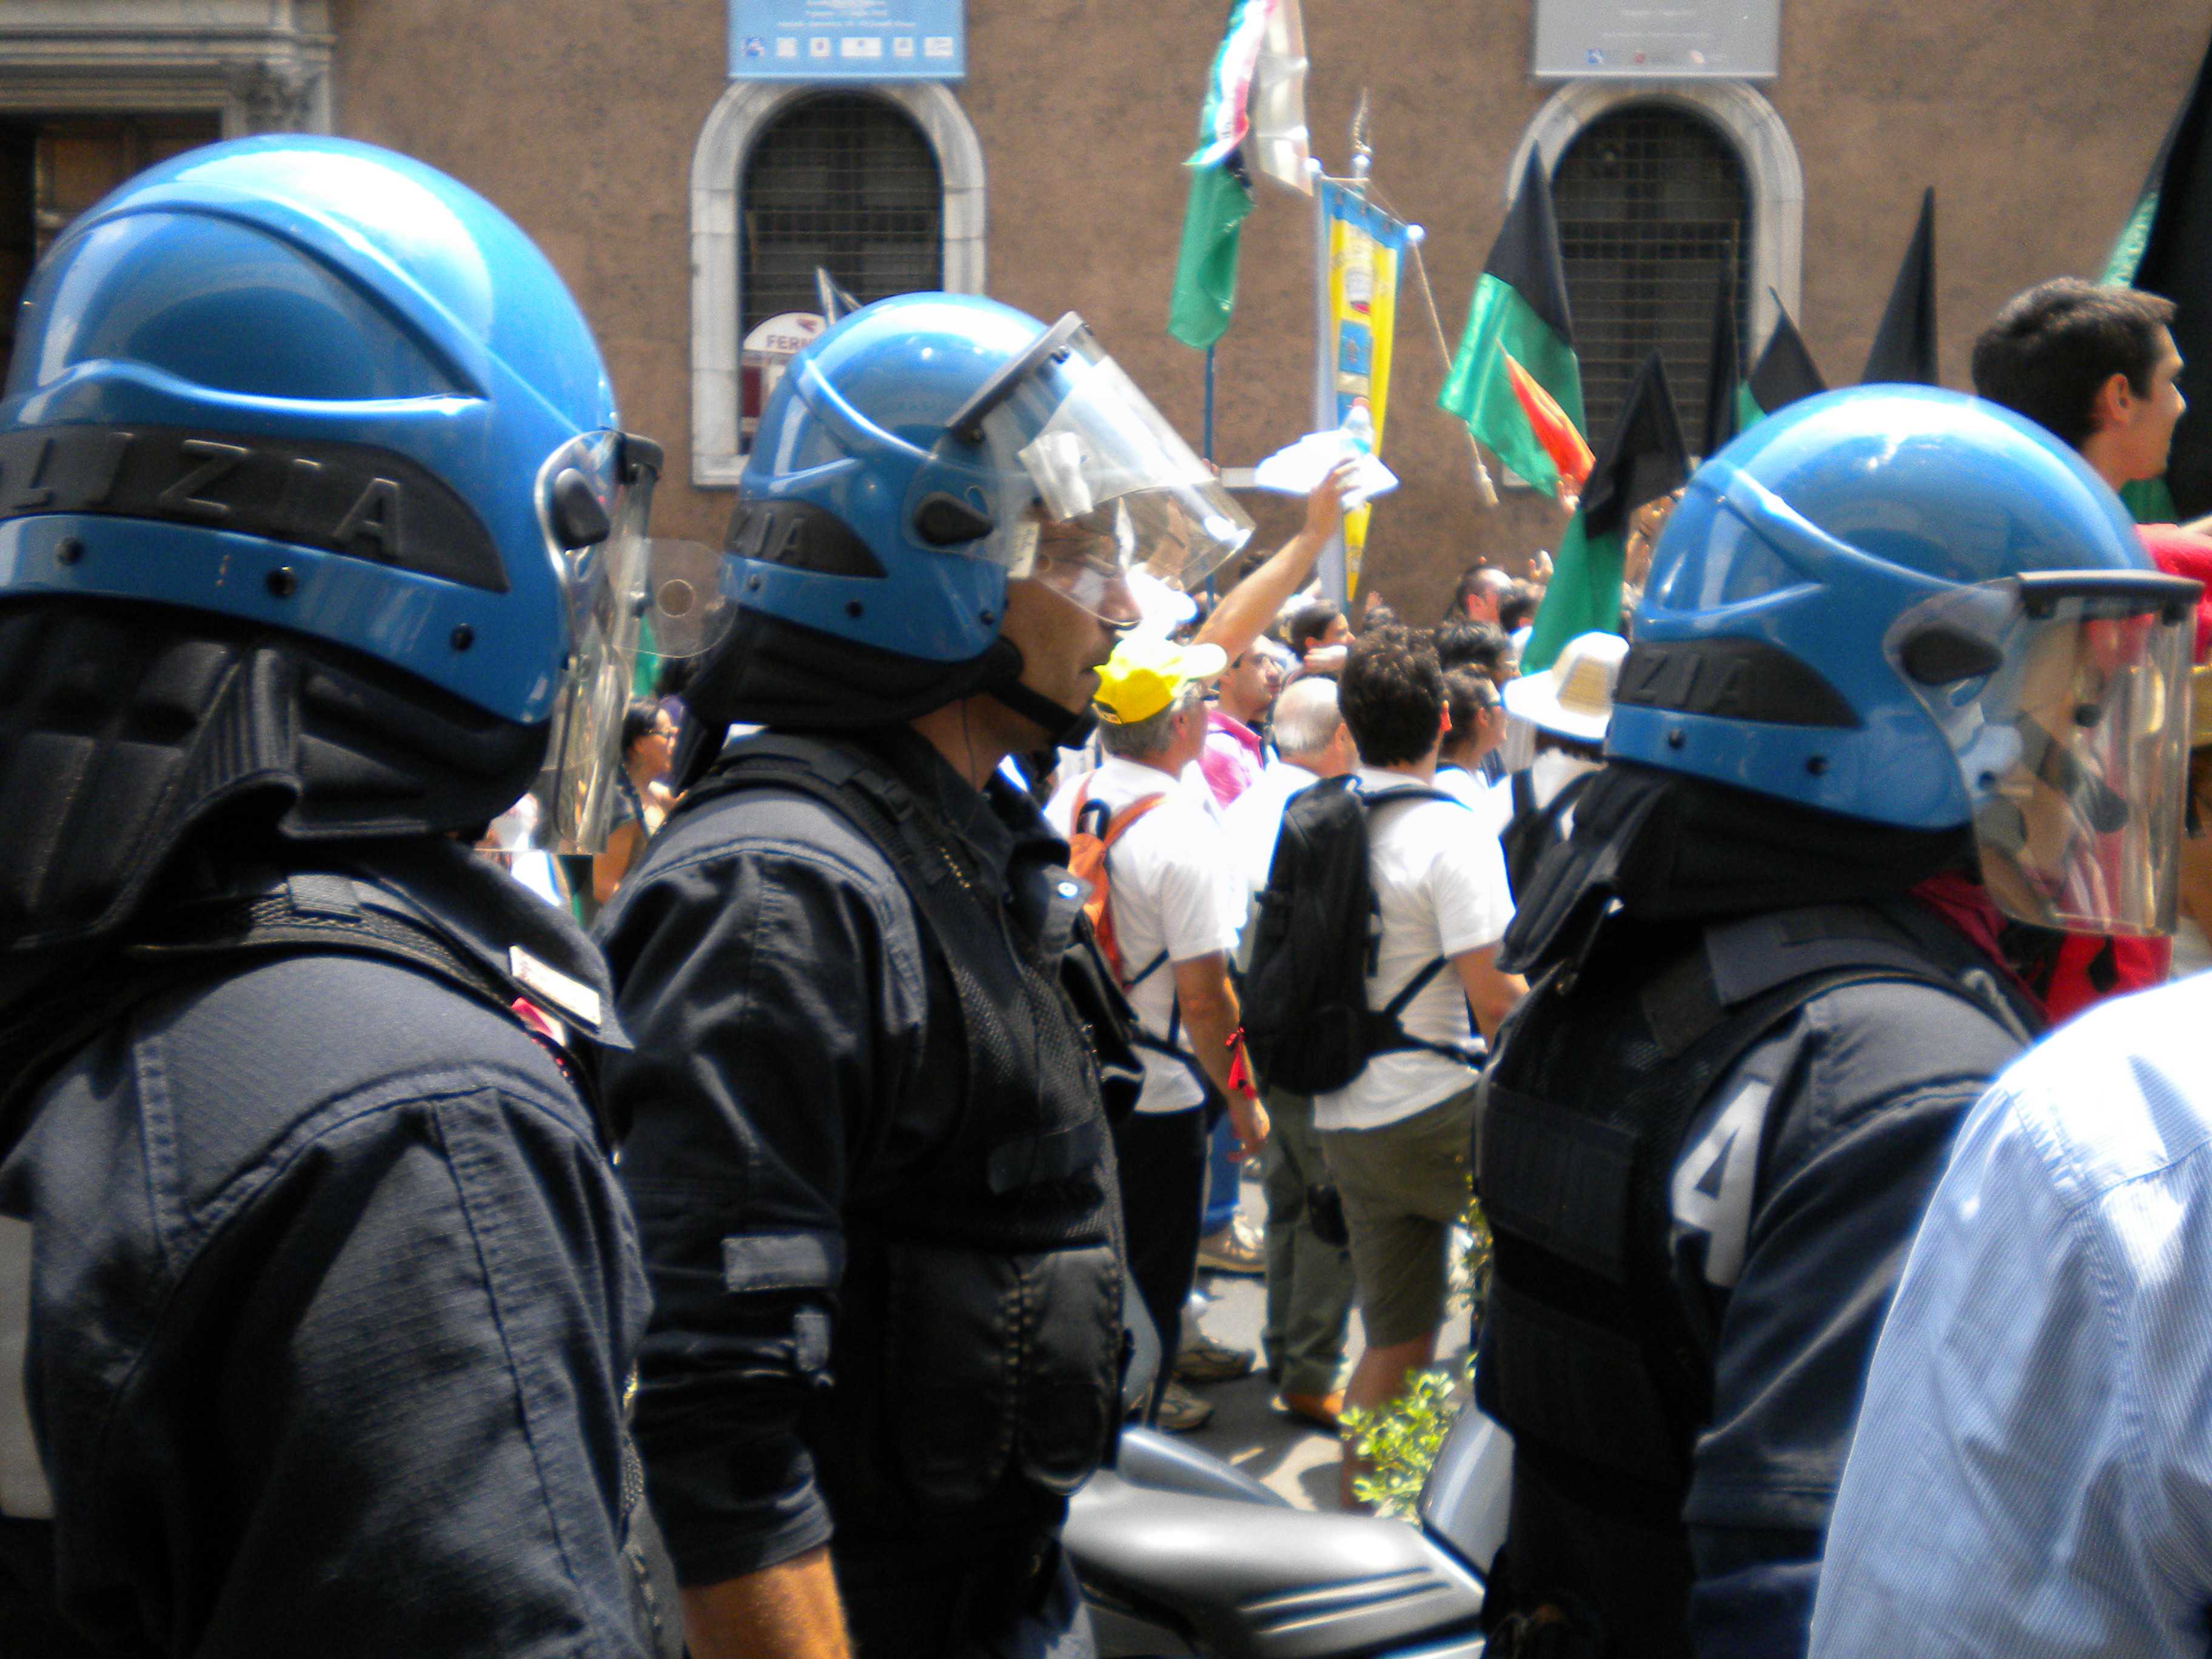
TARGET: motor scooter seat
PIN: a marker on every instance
(1248, 1581)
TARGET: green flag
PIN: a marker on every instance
(2166, 247)
(1643, 459)
(1220, 187)
(1514, 380)
(1205, 270)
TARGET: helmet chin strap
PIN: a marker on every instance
(1067, 728)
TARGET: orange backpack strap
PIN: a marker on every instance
(1088, 860)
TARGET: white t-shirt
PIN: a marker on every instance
(1253, 820)
(1440, 886)
(1174, 890)
(1490, 803)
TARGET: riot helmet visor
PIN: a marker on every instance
(2064, 699)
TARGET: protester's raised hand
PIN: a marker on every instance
(1325, 503)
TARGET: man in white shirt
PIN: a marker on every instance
(1397, 1138)
(1175, 906)
(1309, 1283)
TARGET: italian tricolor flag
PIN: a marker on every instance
(1514, 380)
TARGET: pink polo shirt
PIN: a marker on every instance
(1231, 759)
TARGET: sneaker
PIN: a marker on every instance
(1202, 1360)
(1235, 1249)
(1322, 1410)
(1181, 1411)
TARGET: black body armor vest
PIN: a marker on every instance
(1590, 1354)
(979, 1349)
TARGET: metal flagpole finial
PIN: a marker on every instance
(1362, 156)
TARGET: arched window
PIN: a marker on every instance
(882, 185)
(1654, 214)
(845, 182)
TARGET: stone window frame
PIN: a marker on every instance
(738, 118)
(261, 65)
(1742, 115)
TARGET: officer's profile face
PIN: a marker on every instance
(1062, 644)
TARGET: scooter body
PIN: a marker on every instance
(1180, 1553)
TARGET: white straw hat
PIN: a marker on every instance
(1572, 698)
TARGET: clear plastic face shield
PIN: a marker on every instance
(2065, 698)
(625, 592)
(1117, 491)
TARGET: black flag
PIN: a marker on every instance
(1783, 374)
(1643, 456)
(1905, 344)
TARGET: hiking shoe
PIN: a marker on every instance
(1321, 1410)
(1235, 1249)
(1181, 1411)
(1202, 1360)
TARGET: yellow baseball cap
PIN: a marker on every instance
(1146, 673)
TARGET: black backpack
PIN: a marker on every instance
(1307, 1023)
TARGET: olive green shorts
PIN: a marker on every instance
(1404, 1186)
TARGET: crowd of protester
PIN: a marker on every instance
(1761, 969)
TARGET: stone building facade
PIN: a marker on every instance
(610, 129)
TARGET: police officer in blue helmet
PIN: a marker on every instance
(1901, 670)
(871, 1158)
(320, 545)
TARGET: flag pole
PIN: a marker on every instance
(1332, 556)
(1206, 437)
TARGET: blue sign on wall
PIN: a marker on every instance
(848, 40)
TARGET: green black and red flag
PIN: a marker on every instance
(1514, 380)
(1783, 374)
(2167, 248)
(1643, 458)
(1905, 343)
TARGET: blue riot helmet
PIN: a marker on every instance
(325, 421)
(1913, 607)
(911, 462)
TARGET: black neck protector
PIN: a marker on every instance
(1671, 847)
(127, 730)
(768, 672)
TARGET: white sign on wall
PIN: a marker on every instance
(1658, 39)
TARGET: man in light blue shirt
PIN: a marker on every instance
(2031, 1474)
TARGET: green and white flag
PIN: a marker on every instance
(1254, 105)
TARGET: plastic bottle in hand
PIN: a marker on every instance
(1360, 428)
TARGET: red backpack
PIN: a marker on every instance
(1088, 847)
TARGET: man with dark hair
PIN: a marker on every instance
(1517, 609)
(1396, 1137)
(1315, 627)
(2095, 365)
(1482, 588)
(1463, 644)
(1232, 758)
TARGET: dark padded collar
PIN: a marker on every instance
(1668, 848)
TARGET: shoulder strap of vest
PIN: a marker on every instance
(1813, 949)
(303, 915)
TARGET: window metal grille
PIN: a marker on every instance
(843, 182)
(1654, 214)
